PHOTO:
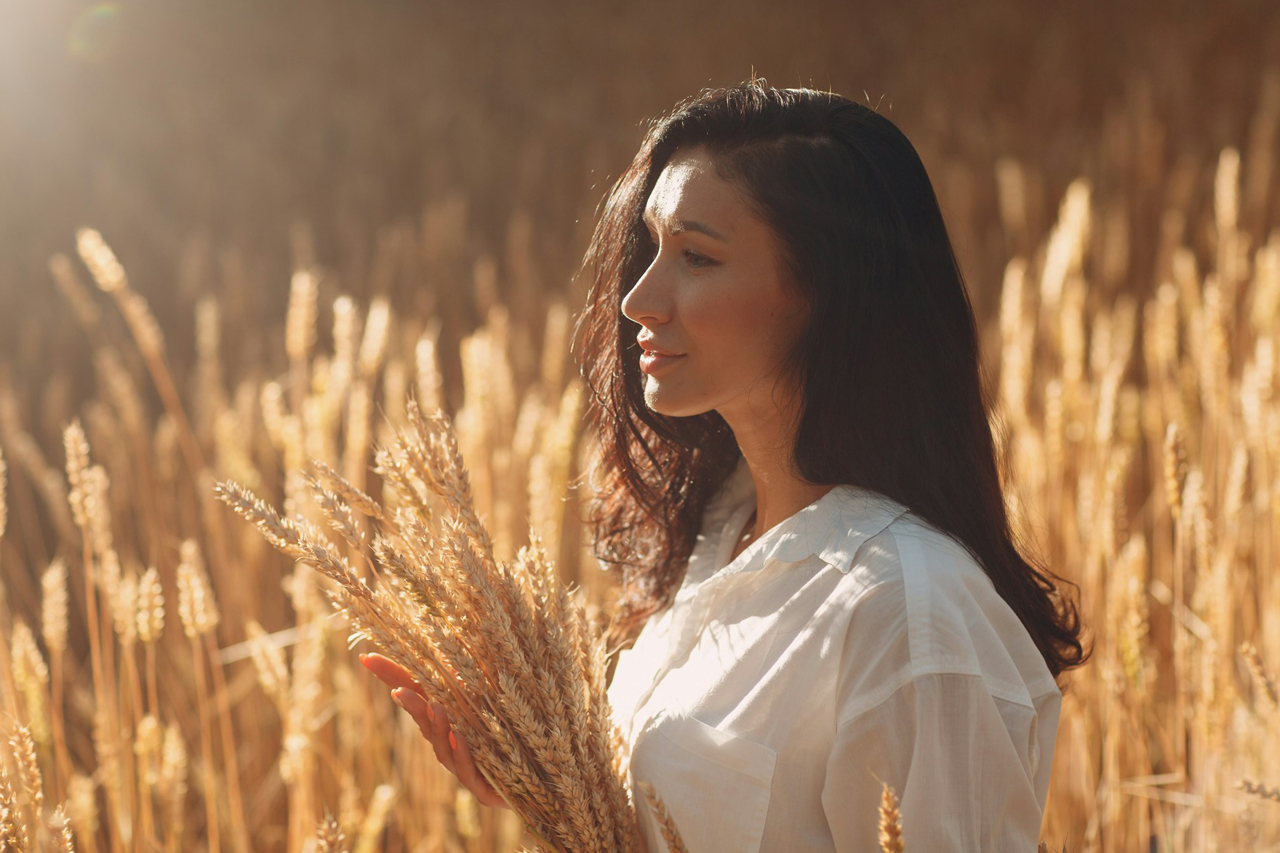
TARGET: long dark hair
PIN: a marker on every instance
(892, 393)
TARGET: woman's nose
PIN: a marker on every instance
(648, 298)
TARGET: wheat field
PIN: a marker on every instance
(169, 682)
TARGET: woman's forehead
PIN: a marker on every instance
(689, 188)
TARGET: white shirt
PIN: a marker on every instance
(852, 643)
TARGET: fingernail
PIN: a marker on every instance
(431, 711)
(453, 741)
(362, 658)
(397, 698)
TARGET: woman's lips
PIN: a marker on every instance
(652, 362)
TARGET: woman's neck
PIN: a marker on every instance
(765, 432)
(745, 538)
(779, 495)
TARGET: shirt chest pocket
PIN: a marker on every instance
(715, 785)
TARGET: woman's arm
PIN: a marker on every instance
(965, 765)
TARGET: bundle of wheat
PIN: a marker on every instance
(507, 648)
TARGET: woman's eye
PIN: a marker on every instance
(697, 260)
(692, 258)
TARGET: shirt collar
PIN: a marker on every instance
(833, 527)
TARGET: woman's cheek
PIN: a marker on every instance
(724, 312)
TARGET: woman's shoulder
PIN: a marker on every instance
(920, 604)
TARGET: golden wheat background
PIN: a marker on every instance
(236, 236)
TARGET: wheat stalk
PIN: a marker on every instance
(890, 821)
(111, 279)
(329, 837)
(532, 705)
(23, 747)
(13, 830)
(667, 826)
(61, 827)
(173, 782)
(53, 623)
(1263, 680)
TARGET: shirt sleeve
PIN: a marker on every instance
(965, 765)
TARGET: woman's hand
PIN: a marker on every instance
(433, 721)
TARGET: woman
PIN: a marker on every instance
(799, 478)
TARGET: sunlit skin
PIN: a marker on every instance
(719, 299)
(433, 721)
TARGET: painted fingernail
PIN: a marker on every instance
(362, 658)
(398, 697)
(453, 741)
(431, 711)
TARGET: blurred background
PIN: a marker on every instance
(433, 171)
(222, 124)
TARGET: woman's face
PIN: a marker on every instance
(715, 296)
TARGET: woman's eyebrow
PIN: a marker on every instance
(680, 225)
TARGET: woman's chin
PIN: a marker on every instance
(670, 406)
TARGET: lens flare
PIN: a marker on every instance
(95, 32)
